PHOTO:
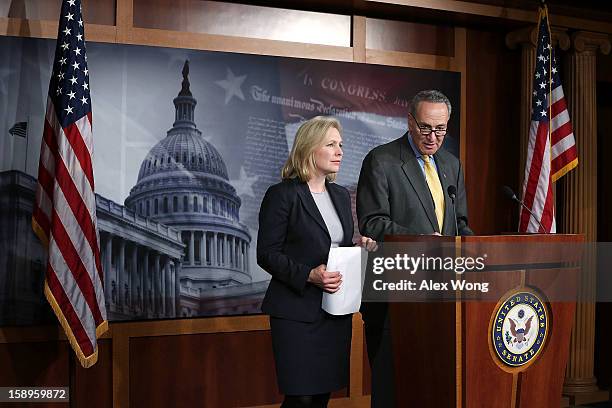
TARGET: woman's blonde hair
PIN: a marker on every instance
(309, 137)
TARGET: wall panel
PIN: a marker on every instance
(94, 11)
(492, 139)
(213, 370)
(239, 20)
(98, 378)
(410, 37)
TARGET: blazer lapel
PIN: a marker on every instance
(412, 170)
(310, 205)
(443, 174)
(341, 208)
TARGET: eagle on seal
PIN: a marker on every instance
(520, 335)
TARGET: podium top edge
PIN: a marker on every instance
(512, 237)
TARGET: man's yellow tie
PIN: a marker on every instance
(435, 187)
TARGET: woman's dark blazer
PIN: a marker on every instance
(292, 240)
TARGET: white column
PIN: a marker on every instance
(203, 251)
(226, 249)
(156, 283)
(237, 245)
(215, 257)
(203, 248)
(162, 286)
(108, 257)
(134, 277)
(167, 288)
(177, 287)
(237, 253)
(230, 254)
(234, 253)
(146, 284)
(173, 289)
(243, 257)
(144, 268)
(191, 248)
(121, 274)
(248, 261)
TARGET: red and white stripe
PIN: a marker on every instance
(64, 217)
(564, 153)
(548, 159)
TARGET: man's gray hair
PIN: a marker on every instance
(430, 95)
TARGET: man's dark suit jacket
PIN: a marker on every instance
(292, 240)
(393, 197)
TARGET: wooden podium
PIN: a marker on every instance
(443, 351)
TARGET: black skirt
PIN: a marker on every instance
(312, 358)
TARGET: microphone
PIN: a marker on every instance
(510, 194)
(452, 193)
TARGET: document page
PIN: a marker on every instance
(347, 261)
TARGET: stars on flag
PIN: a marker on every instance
(70, 83)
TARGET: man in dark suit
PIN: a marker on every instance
(402, 189)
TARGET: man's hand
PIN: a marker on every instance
(367, 243)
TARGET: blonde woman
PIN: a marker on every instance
(300, 219)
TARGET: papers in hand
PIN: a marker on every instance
(347, 299)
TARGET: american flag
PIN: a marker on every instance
(64, 216)
(19, 129)
(552, 148)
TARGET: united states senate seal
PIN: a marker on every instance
(520, 328)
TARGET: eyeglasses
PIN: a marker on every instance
(426, 130)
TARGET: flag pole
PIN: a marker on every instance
(549, 78)
(25, 170)
(12, 150)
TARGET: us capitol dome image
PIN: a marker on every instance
(183, 183)
(176, 248)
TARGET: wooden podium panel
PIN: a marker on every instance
(443, 352)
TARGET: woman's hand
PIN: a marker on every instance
(328, 281)
(368, 244)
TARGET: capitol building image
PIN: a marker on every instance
(183, 183)
(176, 248)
